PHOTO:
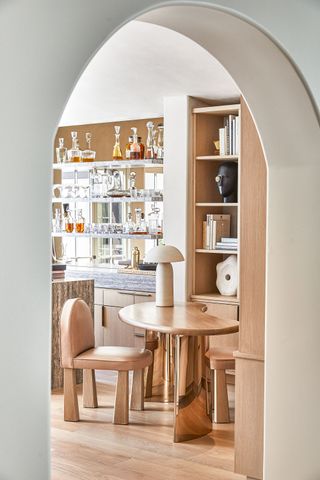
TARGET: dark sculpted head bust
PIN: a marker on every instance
(227, 181)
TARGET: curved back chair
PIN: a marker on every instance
(77, 351)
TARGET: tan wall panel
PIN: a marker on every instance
(253, 237)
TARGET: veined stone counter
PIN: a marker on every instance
(110, 278)
(62, 290)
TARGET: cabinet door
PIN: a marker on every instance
(140, 333)
(116, 332)
(140, 297)
(227, 312)
(98, 327)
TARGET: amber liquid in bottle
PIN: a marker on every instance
(69, 227)
(80, 227)
(76, 159)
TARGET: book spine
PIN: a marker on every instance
(237, 135)
(221, 141)
(204, 235)
(226, 140)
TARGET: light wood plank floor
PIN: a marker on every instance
(95, 449)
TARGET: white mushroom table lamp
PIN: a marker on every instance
(164, 255)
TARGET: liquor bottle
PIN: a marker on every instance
(143, 225)
(160, 149)
(154, 221)
(134, 147)
(74, 154)
(128, 146)
(80, 222)
(88, 155)
(69, 224)
(141, 148)
(132, 185)
(150, 150)
(117, 153)
(61, 152)
(95, 183)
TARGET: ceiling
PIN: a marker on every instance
(136, 68)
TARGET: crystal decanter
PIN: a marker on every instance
(117, 153)
(74, 154)
(88, 155)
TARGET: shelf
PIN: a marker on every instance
(219, 109)
(105, 235)
(218, 158)
(216, 204)
(107, 200)
(217, 250)
(216, 298)
(155, 162)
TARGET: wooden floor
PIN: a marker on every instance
(95, 449)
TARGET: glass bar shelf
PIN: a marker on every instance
(108, 200)
(107, 235)
(152, 162)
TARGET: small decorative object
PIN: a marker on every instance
(216, 147)
(117, 153)
(227, 181)
(164, 255)
(227, 276)
(135, 146)
(150, 150)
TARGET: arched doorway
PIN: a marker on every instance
(291, 280)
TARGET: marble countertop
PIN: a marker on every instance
(110, 278)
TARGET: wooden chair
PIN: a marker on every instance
(218, 360)
(77, 351)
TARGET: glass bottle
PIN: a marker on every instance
(129, 225)
(134, 147)
(132, 184)
(128, 146)
(88, 155)
(135, 257)
(69, 223)
(61, 152)
(80, 222)
(154, 223)
(95, 183)
(137, 224)
(74, 154)
(154, 142)
(149, 149)
(57, 221)
(160, 149)
(141, 148)
(143, 225)
(117, 153)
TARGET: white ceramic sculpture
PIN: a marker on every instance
(227, 276)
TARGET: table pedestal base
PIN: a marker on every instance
(191, 419)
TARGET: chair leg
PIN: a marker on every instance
(71, 408)
(89, 389)
(121, 406)
(209, 394)
(221, 406)
(137, 392)
(149, 380)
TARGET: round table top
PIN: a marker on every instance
(182, 319)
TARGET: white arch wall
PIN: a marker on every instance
(43, 50)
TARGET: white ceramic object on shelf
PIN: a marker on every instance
(227, 276)
(164, 255)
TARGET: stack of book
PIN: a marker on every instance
(229, 135)
(227, 243)
(58, 271)
(215, 228)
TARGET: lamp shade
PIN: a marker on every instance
(164, 254)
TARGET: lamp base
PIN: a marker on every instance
(164, 285)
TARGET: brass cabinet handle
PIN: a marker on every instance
(140, 335)
(143, 294)
(121, 292)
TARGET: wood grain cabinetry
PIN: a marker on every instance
(109, 330)
(248, 224)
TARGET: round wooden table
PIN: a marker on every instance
(187, 323)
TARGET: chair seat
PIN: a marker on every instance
(113, 358)
(220, 358)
